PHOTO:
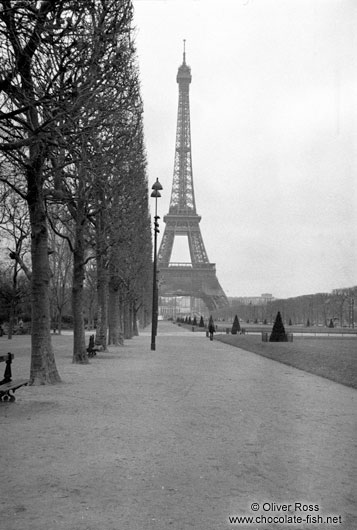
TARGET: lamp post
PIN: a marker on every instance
(155, 298)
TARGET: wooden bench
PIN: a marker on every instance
(7, 385)
(92, 350)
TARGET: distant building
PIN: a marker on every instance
(263, 299)
(181, 306)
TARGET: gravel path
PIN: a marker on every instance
(183, 437)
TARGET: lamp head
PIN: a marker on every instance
(156, 187)
(156, 194)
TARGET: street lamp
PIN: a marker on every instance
(155, 298)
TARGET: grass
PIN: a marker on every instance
(331, 357)
(20, 345)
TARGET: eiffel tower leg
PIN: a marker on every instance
(197, 248)
(166, 246)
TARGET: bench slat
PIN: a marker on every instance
(13, 385)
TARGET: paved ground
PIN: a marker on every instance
(183, 437)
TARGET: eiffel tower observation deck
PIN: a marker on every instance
(198, 278)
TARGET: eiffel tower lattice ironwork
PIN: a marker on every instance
(196, 279)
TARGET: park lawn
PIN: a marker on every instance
(331, 357)
(20, 346)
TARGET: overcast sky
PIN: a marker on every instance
(273, 104)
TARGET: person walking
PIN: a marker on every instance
(211, 328)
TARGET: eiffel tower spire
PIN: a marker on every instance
(182, 217)
(182, 195)
(198, 278)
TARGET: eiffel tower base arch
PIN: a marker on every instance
(194, 281)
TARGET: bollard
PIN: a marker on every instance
(264, 336)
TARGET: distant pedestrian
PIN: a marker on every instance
(211, 328)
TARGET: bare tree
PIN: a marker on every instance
(15, 229)
(56, 57)
(27, 33)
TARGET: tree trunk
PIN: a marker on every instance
(115, 332)
(59, 322)
(13, 302)
(102, 293)
(127, 321)
(102, 278)
(135, 320)
(43, 365)
(79, 342)
(144, 317)
(91, 322)
(11, 317)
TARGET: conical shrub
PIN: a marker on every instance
(235, 326)
(278, 333)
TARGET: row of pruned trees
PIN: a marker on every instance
(318, 309)
(72, 150)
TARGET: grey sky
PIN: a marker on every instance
(274, 129)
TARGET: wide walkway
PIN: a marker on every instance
(187, 436)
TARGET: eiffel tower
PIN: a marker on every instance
(196, 279)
